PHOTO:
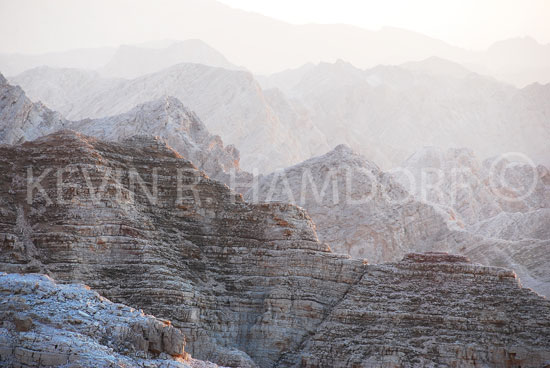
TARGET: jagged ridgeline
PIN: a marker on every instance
(248, 285)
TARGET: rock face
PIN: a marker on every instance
(503, 204)
(219, 268)
(248, 284)
(371, 329)
(46, 324)
(21, 119)
(455, 178)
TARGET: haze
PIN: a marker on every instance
(468, 23)
(35, 26)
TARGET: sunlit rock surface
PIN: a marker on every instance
(45, 324)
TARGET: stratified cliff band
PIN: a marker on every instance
(248, 284)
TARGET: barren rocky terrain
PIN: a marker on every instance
(365, 212)
(250, 284)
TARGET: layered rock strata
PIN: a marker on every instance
(249, 285)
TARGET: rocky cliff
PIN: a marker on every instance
(180, 128)
(479, 319)
(248, 284)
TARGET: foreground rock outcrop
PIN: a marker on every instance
(46, 324)
(433, 310)
(249, 285)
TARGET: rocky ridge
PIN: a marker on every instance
(249, 284)
(477, 190)
(180, 128)
(387, 111)
(390, 111)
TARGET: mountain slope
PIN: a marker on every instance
(21, 119)
(475, 189)
(249, 284)
(230, 103)
(358, 209)
(180, 128)
(367, 213)
(389, 112)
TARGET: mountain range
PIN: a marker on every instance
(388, 111)
(330, 215)
(265, 45)
(247, 284)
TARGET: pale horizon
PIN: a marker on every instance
(36, 27)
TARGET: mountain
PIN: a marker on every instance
(388, 112)
(249, 284)
(520, 61)
(385, 113)
(72, 325)
(180, 128)
(358, 209)
(92, 58)
(437, 66)
(476, 190)
(21, 119)
(265, 45)
(133, 61)
(230, 103)
(125, 61)
(367, 213)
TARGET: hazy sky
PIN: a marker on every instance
(48, 25)
(466, 23)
